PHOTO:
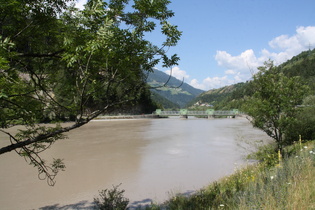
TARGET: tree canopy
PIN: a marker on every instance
(58, 62)
(273, 106)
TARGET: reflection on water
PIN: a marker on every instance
(151, 158)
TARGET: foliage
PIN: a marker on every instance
(304, 124)
(111, 199)
(163, 102)
(61, 63)
(266, 154)
(277, 92)
(225, 98)
(212, 96)
(301, 65)
(285, 186)
(273, 105)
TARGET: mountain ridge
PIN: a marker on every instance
(174, 90)
(233, 96)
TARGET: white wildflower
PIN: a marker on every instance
(221, 205)
(305, 147)
(271, 177)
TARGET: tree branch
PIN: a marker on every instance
(39, 138)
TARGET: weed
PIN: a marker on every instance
(111, 199)
(265, 185)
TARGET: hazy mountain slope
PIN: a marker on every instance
(215, 97)
(167, 104)
(233, 96)
(175, 91)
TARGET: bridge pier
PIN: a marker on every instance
(183, 113)
(210, 113)
(210, 116)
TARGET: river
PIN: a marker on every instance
(151, 158)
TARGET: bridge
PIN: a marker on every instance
(210, 113)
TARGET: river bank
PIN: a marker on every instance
(150, 116)
(115, 117)
(289, 184)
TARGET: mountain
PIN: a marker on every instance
(177, 92)
(212, 96)
(233, 96)
(222, 98)
(164, 102)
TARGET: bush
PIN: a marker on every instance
(287, 185)
(111, 199)
(266, 154)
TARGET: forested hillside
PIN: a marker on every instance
(176, 91)
(163, 102)
(233, 96)
(302, 65)
(215, 97)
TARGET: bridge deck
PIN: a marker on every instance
(185, 112)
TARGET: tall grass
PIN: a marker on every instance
(289, 184)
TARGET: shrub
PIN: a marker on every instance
(266, 154)
(110, 199)
(270, 184)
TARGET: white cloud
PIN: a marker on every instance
(177, 73)
(207, 84)
(240, 68)
(302, 40)
(232, 72)
(210, 83)
(216, 82)
(291, 46)
(236, 63)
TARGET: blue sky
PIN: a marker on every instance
(224, 41)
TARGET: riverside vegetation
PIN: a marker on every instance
(273, 183)
(270, 184)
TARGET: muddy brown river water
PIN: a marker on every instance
(151, 158)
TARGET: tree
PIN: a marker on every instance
(57, 62)
(304, 124)
(273, 107)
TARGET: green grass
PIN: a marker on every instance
(269, 184)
